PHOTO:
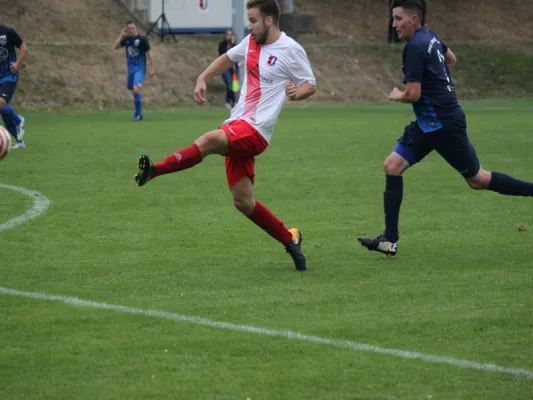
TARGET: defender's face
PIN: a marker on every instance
(403, 22)
(258, 25)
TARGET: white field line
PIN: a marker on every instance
(40, 205)
(456, 362)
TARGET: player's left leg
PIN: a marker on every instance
(138, 79)
(13, 122)
(245, 143)
(244, 200)
(501, 183)
(459, 152)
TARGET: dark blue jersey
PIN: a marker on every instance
(9, 40)
(136, 49)
(424, 61)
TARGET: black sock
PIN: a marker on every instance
(392, 200)
(505, 184)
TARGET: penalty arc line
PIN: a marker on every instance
(40, 205)
(456, 362)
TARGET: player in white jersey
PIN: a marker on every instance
(276, 69)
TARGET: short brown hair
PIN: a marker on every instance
(267, 8)
(411, 5)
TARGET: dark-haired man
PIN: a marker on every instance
(440, 123)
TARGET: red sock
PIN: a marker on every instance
(178, 161)
(263, 218)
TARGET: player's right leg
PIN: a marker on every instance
(214, 142)
(413, 146)
(387, 243)
(244, 201)
(14, 123)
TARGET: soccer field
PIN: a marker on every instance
(190, 300)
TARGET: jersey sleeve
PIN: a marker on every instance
(146, 44)
(123, 42)
(237, 53)
(15, 38)
(444, 48)
(300, 67)
(414, 62)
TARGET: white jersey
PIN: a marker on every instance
(268, 69)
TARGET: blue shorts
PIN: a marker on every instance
(451, 142)
(7, 90)
(135, 78)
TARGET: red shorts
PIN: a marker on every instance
(244, 144)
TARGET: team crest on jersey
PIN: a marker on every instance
(3, 40)
(136, 42)
(272, 60)
(203, 4)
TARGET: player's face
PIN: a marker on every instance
(131, 30)
(258, 26)
(404, 23)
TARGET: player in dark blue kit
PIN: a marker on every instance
(137, 54)
(9, 76)
(440, 123)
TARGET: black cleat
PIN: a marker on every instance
(381, 244)
(295, 250)
(146, 169)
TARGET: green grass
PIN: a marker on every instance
(460, 287)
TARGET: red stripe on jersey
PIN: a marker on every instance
(253, 84)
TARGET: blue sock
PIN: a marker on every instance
(505, 184)
(8, 110)
(137, 100)
(392, 200)
(10, 125)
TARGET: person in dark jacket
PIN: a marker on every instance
(225, 44)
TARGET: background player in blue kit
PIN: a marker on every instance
(440, 123)
(138, 52)
(9, 76)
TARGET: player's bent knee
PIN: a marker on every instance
(481, 181)
(244, 205)
(395, 165)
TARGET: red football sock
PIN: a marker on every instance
(178, 161)
(263, 218)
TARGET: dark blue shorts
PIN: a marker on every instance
(451, 142)
(7, 90)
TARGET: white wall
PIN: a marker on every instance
(186, 16)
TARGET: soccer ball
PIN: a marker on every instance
(5, 142)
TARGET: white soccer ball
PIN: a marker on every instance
(5, 142)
